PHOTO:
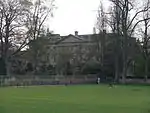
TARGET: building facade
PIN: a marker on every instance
(77, 54)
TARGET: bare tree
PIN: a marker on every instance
(20, 21)
(114, 22)
(111, 20)
(41, 11)
(101, 19)
(101, 26)
(11, 27)
(128, 25)
(145, 36)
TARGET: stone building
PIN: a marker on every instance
(73, 53)
(76, 51)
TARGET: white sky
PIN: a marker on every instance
(75, 15)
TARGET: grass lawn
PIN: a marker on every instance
(75, 99)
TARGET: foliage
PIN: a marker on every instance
(2, 67)
(38, 52)
(140, 66)
(91, 68)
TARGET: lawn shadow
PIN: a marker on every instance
(137, 90)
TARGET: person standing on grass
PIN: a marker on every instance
(99, 75)
(98, 80)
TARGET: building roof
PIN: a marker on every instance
(83, 38)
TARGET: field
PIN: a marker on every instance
(75, 99)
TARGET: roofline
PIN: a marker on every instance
(65, 37)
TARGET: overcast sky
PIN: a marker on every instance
(75, 15)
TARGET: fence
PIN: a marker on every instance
(58, 80)
(46, 80)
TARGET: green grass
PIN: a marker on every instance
(75, 99)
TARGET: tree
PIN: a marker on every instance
(41, 10)
(38, 52)
(101, 19)
(128, 25)
(113, 21)
(145, 36)
(20, 22)
(12, 32)
(101, 25)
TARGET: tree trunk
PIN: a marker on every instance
(124, 72)
(125, 47)
(116, 70)
(7, 62)
(117, 60)
(146, 50)
(8, 67)
(103, 49)
(146, 70)
(2, 67)
(6, 58)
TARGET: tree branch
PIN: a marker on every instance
(137, 24)
(136, 16)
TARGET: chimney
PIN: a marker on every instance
(94, 30)
(76, 33)
(104, 31)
